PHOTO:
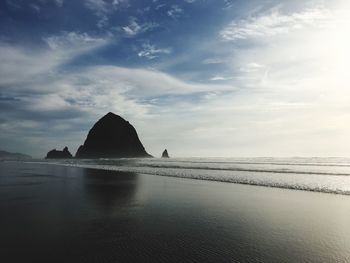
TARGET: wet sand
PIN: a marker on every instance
(62, 214)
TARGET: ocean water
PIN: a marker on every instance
(328, 175)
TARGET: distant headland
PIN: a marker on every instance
(13, 156)
(110, 137)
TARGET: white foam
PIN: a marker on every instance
(327, 175)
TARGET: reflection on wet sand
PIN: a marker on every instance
(107, 189)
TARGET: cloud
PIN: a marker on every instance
(151, 51)
(251, 67)
(175, 11)
(229, 4)
(103, 9)
(35, 7)
(23, 64)
(74, 42)
(190, 1)
(160, 6)
(13, 4)
(209, 61)
(103, 22)
(143, 83)
(59, 3)
(274, 24)
(134, 28)
(219, 78)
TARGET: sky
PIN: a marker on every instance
(202, 78)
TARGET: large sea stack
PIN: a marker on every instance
(112, 137)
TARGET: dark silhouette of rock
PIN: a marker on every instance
(165, 154)
(112, 137)
(55, 154)
(13, 156)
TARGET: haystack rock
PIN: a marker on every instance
(55, 154)
(112, 137)
(165, 154)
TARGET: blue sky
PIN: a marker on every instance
(199, 77)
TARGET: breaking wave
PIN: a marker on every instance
(326, 175)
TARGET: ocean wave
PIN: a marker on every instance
(281, 163)
(322, 178)
(323, 183)
(245, 170)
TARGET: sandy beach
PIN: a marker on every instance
(54, 213)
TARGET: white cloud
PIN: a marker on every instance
(252, 67)
(59, 3)
(74, 42)
(160, 6)
(13, 4)
(21, 64)
(103, 22)
(35, 7)
(134, 28)
(103, 9)
(274, 24)
(151, 51)
(229, 3)
(175, 11)
(100, 7)
(219, 78)
(143, 83)
(209, 61)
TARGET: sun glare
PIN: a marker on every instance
(336, 39)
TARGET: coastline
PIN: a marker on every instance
(84, 215)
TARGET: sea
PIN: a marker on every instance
(317, 174)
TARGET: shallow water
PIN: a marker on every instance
(328, 175)
(55, 213)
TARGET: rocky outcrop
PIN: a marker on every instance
(55, 154)
(112, 137)
(165, 154)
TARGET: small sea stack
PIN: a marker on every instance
(55, 154)
(165, 154)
